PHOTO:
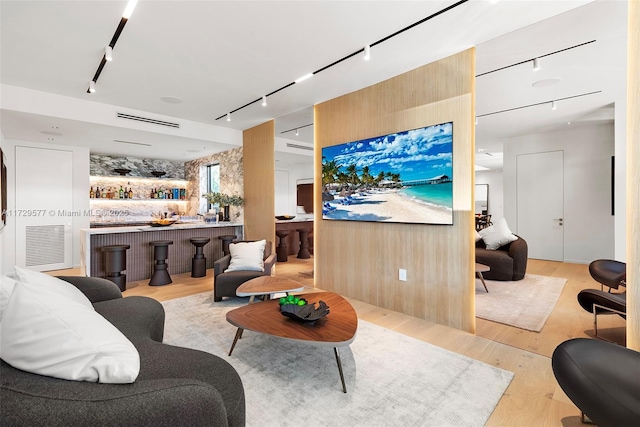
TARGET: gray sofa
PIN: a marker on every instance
(507, 263)
(176, 386)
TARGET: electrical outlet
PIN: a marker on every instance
(402, 275)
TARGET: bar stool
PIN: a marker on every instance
(160, 254)
(199, 262)
(303, 253)
(226, 239)
(282, 252)
(311, 241)
(115, 261)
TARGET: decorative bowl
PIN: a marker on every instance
(285, 217)
(122, 171)
(158, 174)
(305, 313)
(162, 222)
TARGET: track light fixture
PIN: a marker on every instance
(108, 51)
(264, 100)
(554, 105)
(476, 120)
(92, 86)
(367, 51)
(297, 132)
(303, 78)
(228, 117)
(536, 64)
(129, 9)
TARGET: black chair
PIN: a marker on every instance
(602, 379)
(609, 273)
(600, 302)
(226, 283)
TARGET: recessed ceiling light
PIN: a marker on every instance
(48, 132)
(171, 100)
(547, 82)
(193, 151)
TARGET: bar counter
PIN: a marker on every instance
(292, 225)
(140, 256)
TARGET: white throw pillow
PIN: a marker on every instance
(497, 235)
(478, 236)
(247, 256)
(54, 284)
(47, 333)
(6, 288)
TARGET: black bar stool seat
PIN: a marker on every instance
(160, 254)
(199, 261)
(115, 261)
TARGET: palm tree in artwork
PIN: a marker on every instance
(366, 177)
(352, 173)
(329, 171)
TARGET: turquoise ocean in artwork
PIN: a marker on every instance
(434, 194)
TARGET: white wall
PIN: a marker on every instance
(80, 196)
(295, 172)
(494, 179)
(588, 224)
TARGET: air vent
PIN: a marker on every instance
(44, 244)
(147, 120)
(301, 147)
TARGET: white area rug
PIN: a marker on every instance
(525, 304)
(391, 379)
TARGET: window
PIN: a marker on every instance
(212, 180)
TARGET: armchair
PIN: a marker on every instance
(226, 283)
(601, 302)
(601, 379)
(508, 262)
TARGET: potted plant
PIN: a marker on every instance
(224, 200)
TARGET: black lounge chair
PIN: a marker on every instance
(602, 379)
(609, 273)
(600, 302)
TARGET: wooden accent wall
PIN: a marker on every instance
(633, 176)
(259, 182)
(360, 260)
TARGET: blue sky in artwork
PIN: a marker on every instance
(415, 154)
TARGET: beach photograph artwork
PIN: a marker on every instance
(401, 177)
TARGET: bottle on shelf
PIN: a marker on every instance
(97, 192)
(130, 193)
(126, 193)
(92, 194)
(121, 193)
(160, 194)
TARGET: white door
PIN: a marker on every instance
(540, 186)
(44, 208)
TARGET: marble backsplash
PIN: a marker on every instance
(105, 165)
(231, 179)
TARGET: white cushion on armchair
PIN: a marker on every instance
(497, 235)
(247, 256)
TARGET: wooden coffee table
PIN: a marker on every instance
(267, 285)
(337, 329)
(481, 268)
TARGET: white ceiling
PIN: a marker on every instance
(219, 55)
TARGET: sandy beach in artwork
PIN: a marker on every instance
(388, 206)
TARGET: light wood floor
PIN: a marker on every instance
(532, 399)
